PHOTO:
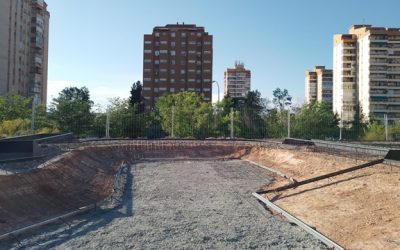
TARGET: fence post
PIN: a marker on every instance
(386, 126)
(34, 102)
(172, 121)
(288, 123)
(341, 126)
(232, 123)
(108, 125)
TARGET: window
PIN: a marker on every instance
(183, 63)
(207, 71)
(207, 52)
(155, 90)
(183, 44)
(207, 43)
(172, 62)
(156, 53)
(157, 34)
(172, 90)
(207, 61)
(147, 70)
(191, 70)
(198, 62)
(147, 51)
(183, 53)
(172, 44)
(192, 33)
(163, 61)
(156, 62)
(183, 34)
(146, 89)
(163, 89)
(207, 80)
(198, 72)
(173, 34)
(198, 34)
(206, 89)
(147, 79)
(192, 52)
(163, 51)
(147, 60)
(183, 81)
(163, 70)
(191, 89)
(164, 33)
(182, 72)
(147, 42)
(182, 89)
(172, 52)
(164, 42)
(172, 71)
(192, 61)
(191, 80)
(198, 44)
(192, 43)
(157, 43)
(172, 80)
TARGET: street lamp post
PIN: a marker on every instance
(218, 88)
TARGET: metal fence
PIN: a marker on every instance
(219, 122)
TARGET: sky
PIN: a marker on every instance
(99, 43)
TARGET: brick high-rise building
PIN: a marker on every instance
(367, 72)
(24, 33)
(237, 81)
(176, 58)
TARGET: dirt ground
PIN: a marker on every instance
(359, 210)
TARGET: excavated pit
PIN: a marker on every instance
(359, 210)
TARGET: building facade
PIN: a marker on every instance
(368, 64)
(237, 81)
(318, 85)
(177, 58)
(24, 33)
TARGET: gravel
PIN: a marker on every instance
(179, 205)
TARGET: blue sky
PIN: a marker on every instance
(99, 43)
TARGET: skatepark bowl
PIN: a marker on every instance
(192, 194)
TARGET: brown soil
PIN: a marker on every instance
(359, 210)
(82, 177)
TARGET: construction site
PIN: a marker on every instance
(191, 194)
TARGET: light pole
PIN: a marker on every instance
(218, 88)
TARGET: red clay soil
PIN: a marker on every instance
(81, 177)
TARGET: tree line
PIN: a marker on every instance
(183, 115)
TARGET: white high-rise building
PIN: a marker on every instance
(318, 85)
(24, 33)
(237, 81)
(367, 72)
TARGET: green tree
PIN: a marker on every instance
(281, 99)
(13, 107)
(374, 132)
(191, 116)
(315, 120)
(136, 99)
(71, 111)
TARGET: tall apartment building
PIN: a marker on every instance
(367, 72)
(24, 33)
(237, 81)
(318, 85)
(177, 58)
